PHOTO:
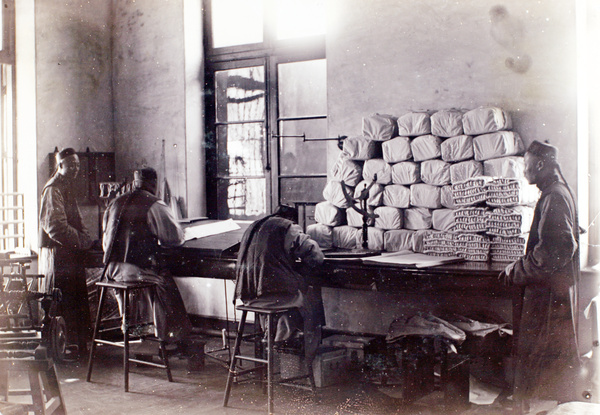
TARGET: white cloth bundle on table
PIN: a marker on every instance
(512, 167)
(406, 172)
(396, 150)
(361, 148)
(355, 219)
(510, 222)
(326, 213)
(417, 218)
(426, 147)
(447, 123)
(499, 144)
(446, 198)
(425, 195)
(486, 120)
(374, 236)
(398, 240)
(511, 192)
(389, 218)
(321, 234)
(457, 148)
(414, 124)
(379, 127)
(344, 237)
(377, 168)
(349, 171)
(439, 243)
(470, 192)
(375, 192)
(464, 170)
(471, 219)
(508, 249)
(435, 172)
(396, 195)
(442, 220)
(418, 239)
(472, 247)
(334, 194)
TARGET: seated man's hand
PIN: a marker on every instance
(506, 276)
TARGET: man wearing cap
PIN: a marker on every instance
(137, 225)
(63, 240)
(547, 357)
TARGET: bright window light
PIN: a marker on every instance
(300, 18)
(237, 22)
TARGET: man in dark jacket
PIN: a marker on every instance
(136, 226)
(547, 357)
(267, 275)
(63, 240)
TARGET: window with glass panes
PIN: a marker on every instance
(266, 102)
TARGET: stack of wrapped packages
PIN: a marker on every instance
(449, 183)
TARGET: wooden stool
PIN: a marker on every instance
(260, 362)
(124, 289)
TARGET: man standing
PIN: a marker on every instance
(267, 275)
(63, 238)
(547, 357)
(136, 226)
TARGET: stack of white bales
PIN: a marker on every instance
(432, 174)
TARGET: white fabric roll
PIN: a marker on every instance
(396, 195)
(446, 198)
(377, 167)
(326, 213)
(398, 240)
(418, 240)
(508, 167)
(350, 171)
(388, 218)
(396, 150)
(470, 192)
(355, 219)
(321, 234)
(442, 220)
(426, 147)
(425, 196)
(510, 222)
(379, 127)
(495, 145)
(374, 236)
(511, 192)
(486, 120)
(414, 124)
(417, 218)
(465, 170)
(457, 148)
(439, 243)
(344, 237)
(406, 172)
(447, 123)
(361, 148)
(333, 193)
(375, 193)
(435, 172)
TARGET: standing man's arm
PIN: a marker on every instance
(53, 220)
(163, 224)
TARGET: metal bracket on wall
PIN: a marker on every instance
(339, 138)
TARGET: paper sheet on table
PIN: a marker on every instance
(208, 229)
(411, 258)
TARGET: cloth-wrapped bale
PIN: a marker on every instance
(425, 195)
(379, 127)
(472, 247)
(446, 197)
(485, 120)
(354, 218)
(426, 147)
(439, 243)
(388, 218)
(321, 234)
(470, 192)
(447, 123)
(375, 192)
(349, 171)
(396, 150)
(508, 249)
(418, 239)
(511, 167)
(510, 222)
(417, 218)
(326, 213)
(406, 172)
(511, 192)
(344, 237)
(334, 193)
(377, 168)
(442, 220)
(398, 240)
(414, 124)
(465, 170)
(396, 195)
(495, 145)
(374, 236)
(471, 219)
(435, 172)
(457, 148)
(361, 148)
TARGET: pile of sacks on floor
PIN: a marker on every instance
(448, 183)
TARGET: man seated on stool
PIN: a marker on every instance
(268, 276)
(136, 226)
